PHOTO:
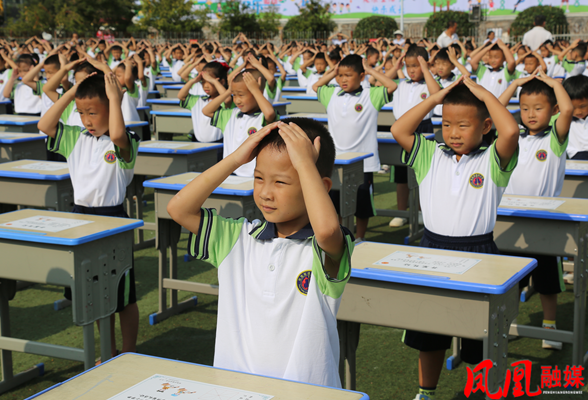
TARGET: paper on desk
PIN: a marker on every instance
(169, 145)
(427, 262)
(43, 166)
(576, 165)
(543, 204)
(45, 224)
(162, 387)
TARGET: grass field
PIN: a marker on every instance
(386, 368)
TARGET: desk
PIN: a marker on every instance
(559, 232)
(141, 128)
(19, 123)
(386, 116)
(34, 183)
(172, 90)
(127, 370)
(303, 103)
(90, 258)
(320, 117)
(347, 177)
(4, 106)
(18, 146)
(153, 94)
(230, 200)
(291, 80)
(478, 304)
(159, 83)
(163, 103)
(576, 179)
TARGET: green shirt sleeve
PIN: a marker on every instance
(135, 90)
(481, 70)
(332, 286)
(134, 140)
(511, 77)
(557, 147)
(379, 97)
(567, 65)
(39, 89)
(221, 118)
(420, 157)
(325, 93)
(189, 102)
(215, 238)
(499, 175)
(271, 93)
(65, 139)
(68, 110)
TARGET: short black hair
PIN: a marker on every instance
(457, 49)
(577, 87)
(27, 59)
(535, 86)
(92, 86)
(442, 55)
(539, 20)
(335, 54)
(354, 62)
(415, 51)
(546, 43)
(462, 96)
(134, 69)
(451, 23)
(371, 51)
(116, 47)
(326, 159)
(581, 49)
(86, 67)
(53, 60)
(320, 56)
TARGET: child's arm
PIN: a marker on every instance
(453, 58)
(508, 130)
(116, 123)
(235, 72)
(49, 122)
(383, 79)
(101, 66)
(219, 87)
(10, 84)
(512, 88)
(50, 88)
(185, 90)
(308, 63)
(265, 106)
(565, 51)
(8, 61)
(510, 61)
(30, 79)
(129, 80)
(269, 77)
(140, 69)
(216, 103)
(541, 61)
(280, 65)
(326, 78)
(566, 108)
(475, 60)
(432, 84)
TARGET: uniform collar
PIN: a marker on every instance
(411, 81)
(254, 114)
(449, 151)
(356, 92)
(495, 69)
(267, 231)
(576, 119)
(524, 132)
(205, 98)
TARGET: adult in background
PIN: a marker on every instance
(341, 38)
(538, 35)
(448, 36)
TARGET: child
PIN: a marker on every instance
(5, 74)
(52, 65)
(459, 212)
(127, 74)
(445, 75)
(99, 180)
(572, 58)
(272, 65)
(26, 102)
(215, 83)
(577, 89)
(253, 112)
(353, 120)
(410, 93)
(115, 56)
(281, 280)
(541, 170)
(308, 80)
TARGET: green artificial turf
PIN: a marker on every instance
(386, 369)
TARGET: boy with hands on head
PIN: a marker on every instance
(461, 184)
(280, 281)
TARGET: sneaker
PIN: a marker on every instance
(568, 278)
(551, 344)
(422, 397)
(397, 222)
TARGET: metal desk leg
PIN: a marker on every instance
(135, 191)
(413, 209)
(105, 353)
(455, 358)
(348, 342)
(580, 271)
(89, 353)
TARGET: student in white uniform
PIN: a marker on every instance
(461, 183)
(577, 89)
(445, 75)
(546, 114)
(281, 281)
(127, 73)
(25, 100)
(308, 80)
(5, 74)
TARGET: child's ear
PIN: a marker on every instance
(555, 110)
(328, 183)
(487, 126)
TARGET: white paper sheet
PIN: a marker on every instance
(537, 203)
(576, 165)
(43, 166)
(427, 262)
(237, 180)
(45, 224)
(170, 145)
(162, 387)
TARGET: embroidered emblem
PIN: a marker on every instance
(423, 95)
(500, 81)
(358, 107)
(251, 131)
(541, 155)
(303, 281)
(1, 81)
(110, 156)
(477, 181)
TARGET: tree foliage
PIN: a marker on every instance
(313, 17)
(375, 26)
(237, 17)
(437, 23)
(269, 22)
(172, 16)
(525, 20)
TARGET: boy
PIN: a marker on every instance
(308, 80)
(541, 170)
(572, 58)
(278, 299)
(353, 120)
(577, 89)
(100, 159)
(461, 183)
(253, 112)
(445, 75)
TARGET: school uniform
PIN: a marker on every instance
(99, 176)
(71, 116)
(573, 68)
(129, 104)
(459, 201)
(578, 139)
(551, 62)
(4, 78)
(177, 65)
(203, 130)
(277, 306)
(495, 80)
(273, 96)
(114, 62)
(438, 110)
(25, 100)
(197, 90)
(151, 73)
(353, 123)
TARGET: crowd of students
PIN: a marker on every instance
(281, 280)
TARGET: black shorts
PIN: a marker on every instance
(127, 293)
(471, 350)
(547, 276)
(365, 198)
(400, 172)
(581, 155)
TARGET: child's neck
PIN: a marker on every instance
(533, 132)
(285, 229)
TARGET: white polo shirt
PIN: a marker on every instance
(277, 306)
(236, 128)
(551, 62)
(409, 94)
(71, 116)
(353, 120)
(495, 81)
(4, 78)
(438, 110)
(274, 96)
(99, 175)
(129, 104)
(578, 137)
(25, 100)
(573, 68)
(542, 164)
(197, 90)
(203, 130)
(458, 198)
(177, 65)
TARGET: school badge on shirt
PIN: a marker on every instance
(423, 95)
(541, 155)
(303, 281)
(500, 81)
(477, 181)
(358, 107)
(110, 156)
(251, 131)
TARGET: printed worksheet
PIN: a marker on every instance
(427, 262)
(168, 145)
(45, 224)
(162, 387)
(43, 166)
(541, 204)
(236, 180)
(576, 165)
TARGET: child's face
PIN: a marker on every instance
(349, 79)
(495, 58)
(521, 51)
(580, 108)
(320, 65)
(200, 67)
(536, 112)
(116, 54)
(545, 52)
(413, 68)
(277, 190)
(208, 87)
(444, 68)
(147, 59)
(372, 60)
(463, 130)
(119, 72)
(178, 54)
(101, 46)
(94, 114)
(50, 70)
(306, 56)
(388, 65)
(243, 98)
(575, 55)
(23, 68)
(396, 53)
(531, 64)
(272, 67)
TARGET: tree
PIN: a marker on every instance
(374, 27)
(314, 17)
(269, 22)
(555, 16)
(237, 17)
(440, 3)
(172, 16)
(437, 23)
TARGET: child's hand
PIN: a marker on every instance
(248, 149)
(542, 76)
(452, 53)
(113, 89)
(440, 95)
(423, 64)
(301, 150)
(476, 89)
(253, 85)
(206, 77)
(73, 64)
(522, 81)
